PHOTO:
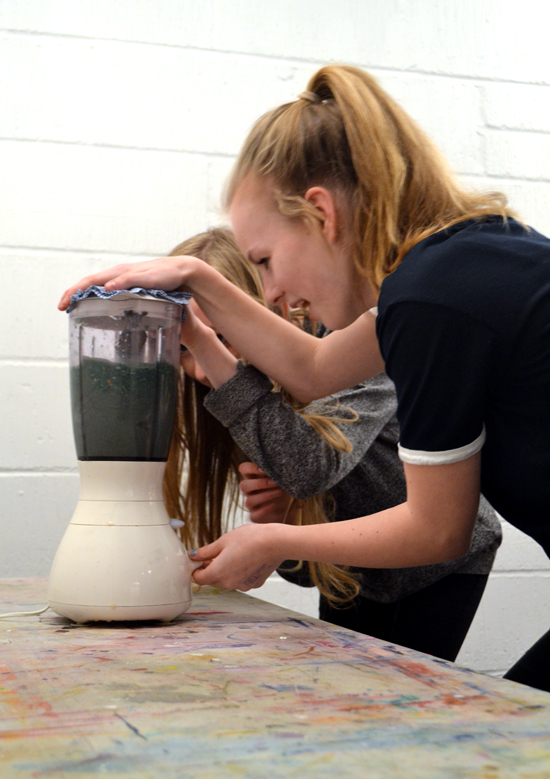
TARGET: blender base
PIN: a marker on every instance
(119, 558)
(79, 613)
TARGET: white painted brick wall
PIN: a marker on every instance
(119, 122)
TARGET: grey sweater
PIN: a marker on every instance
(368, 479)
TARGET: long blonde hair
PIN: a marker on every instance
(347, 134)
(201, 479)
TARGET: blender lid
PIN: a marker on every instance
(180, 298)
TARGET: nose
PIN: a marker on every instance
(273, 295)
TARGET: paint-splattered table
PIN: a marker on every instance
(241, 688)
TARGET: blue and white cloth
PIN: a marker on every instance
(181, 298)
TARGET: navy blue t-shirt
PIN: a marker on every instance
(464, 328)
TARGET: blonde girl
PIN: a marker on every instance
(346, 206)
(205, 465)
(337, 457)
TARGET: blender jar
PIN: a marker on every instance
(124, 358)
(119, 558)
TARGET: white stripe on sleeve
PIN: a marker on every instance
(418, 457)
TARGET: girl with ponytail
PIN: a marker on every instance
(349, 211)
(303, 465)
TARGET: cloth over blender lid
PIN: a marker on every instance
(181, 298)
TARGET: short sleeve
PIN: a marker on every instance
(440, 361)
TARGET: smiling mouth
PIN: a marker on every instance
(301, 305)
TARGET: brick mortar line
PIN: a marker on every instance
(277, 57)
(500, 177)
(88, 145)
(520, 130)
(44, 362)
(522, 573)
(223, 156)
(5, 474)
(45, 250)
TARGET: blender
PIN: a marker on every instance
(120, 559)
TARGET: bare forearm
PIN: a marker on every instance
(389, 539)
(274, 346)
(215, 360)
(307, 367)
(433, 526)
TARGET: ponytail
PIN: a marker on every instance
(391, 185)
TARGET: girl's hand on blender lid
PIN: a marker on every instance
(167, 273)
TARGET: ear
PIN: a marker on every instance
(323, 200)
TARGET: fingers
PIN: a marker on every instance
(241, 559)
(250, 470)
(211, 576)
(197, 556)
(257, 484)
(272, 511)
(263, 498)
(269, 512)
(167, 273)
(158, 274)
(96, 279)
(215, 576)
(271, 497)
(206, 553)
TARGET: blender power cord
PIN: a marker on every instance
(24, 613)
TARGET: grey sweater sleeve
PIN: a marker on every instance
(368, 479)
(285, 445)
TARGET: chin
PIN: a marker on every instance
(331, 321)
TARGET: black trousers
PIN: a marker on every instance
(434, 620)
(534, 667)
